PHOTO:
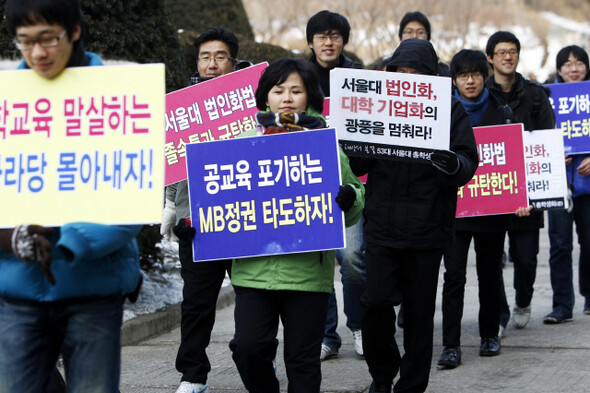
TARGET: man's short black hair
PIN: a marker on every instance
(501, 36)
(65, 13)
(415, 16)
(468, 60)
(327, 21)
(279, 70)
(563, 56)
(222, 34)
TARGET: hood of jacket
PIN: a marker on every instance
(415, 53)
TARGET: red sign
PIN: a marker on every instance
(499, 184)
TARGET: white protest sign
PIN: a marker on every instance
(390, 115)
(545, 169)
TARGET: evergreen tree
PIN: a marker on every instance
(199, 15)
(135, 30)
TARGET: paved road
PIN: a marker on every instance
(539, 358)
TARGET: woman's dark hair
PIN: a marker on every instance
(327, 21)
(467, 60)
(415, 16)
(66, 13)
(563, 56)
(279, 70)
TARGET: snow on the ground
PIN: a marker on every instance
(162, 286)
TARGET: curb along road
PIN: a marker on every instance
(147, 326)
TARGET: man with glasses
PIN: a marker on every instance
(216, 51)
(60, 288)
(522, 101)
(469, 69)
(416, 25)
(327, 34)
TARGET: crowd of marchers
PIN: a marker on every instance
(57, 285)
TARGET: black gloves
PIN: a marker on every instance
(185, 233)
(29, 244)
(346, 197)
(445, 161)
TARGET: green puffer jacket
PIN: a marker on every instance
(310, 271)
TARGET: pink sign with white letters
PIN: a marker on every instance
(218, 109)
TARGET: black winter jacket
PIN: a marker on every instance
(324, 73)
(526, 103)
(411, 205)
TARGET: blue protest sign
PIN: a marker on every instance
(265, 195)
(571, 104)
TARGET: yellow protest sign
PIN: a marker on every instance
(85, 146)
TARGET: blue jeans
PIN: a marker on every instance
(87, 331)
(560, 259)
(354, 272)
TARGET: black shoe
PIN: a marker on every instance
(557, 316)
(450, 358)
(379, 388)
(490, 346)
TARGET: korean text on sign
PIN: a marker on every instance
(374, 109)
(499, 183)
(217, 109)
(69, 153)
(265, 195)
(545, 169)
(571, 106)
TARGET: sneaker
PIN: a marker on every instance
(328, 352)
(490, 346)
(521, 316)
(187, 387)
(357, 335)
(450, 357)
(587, 306)
(557, 316)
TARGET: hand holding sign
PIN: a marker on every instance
(445, 161)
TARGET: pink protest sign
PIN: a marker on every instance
(499, 184)
(218, 109)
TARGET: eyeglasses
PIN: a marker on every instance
(504, 52)
(414, 33)
(324, 37)
(568, 65)
(45, 41)
(219, 59)
(464, 77)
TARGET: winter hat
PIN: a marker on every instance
(415, 53)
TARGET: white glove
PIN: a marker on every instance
(168, 221)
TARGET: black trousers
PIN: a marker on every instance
(395, 276)
(488, 260)
(254, 347)
(202, 283)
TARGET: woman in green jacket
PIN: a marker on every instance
(292, 287)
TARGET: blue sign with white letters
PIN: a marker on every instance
(265, 195)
